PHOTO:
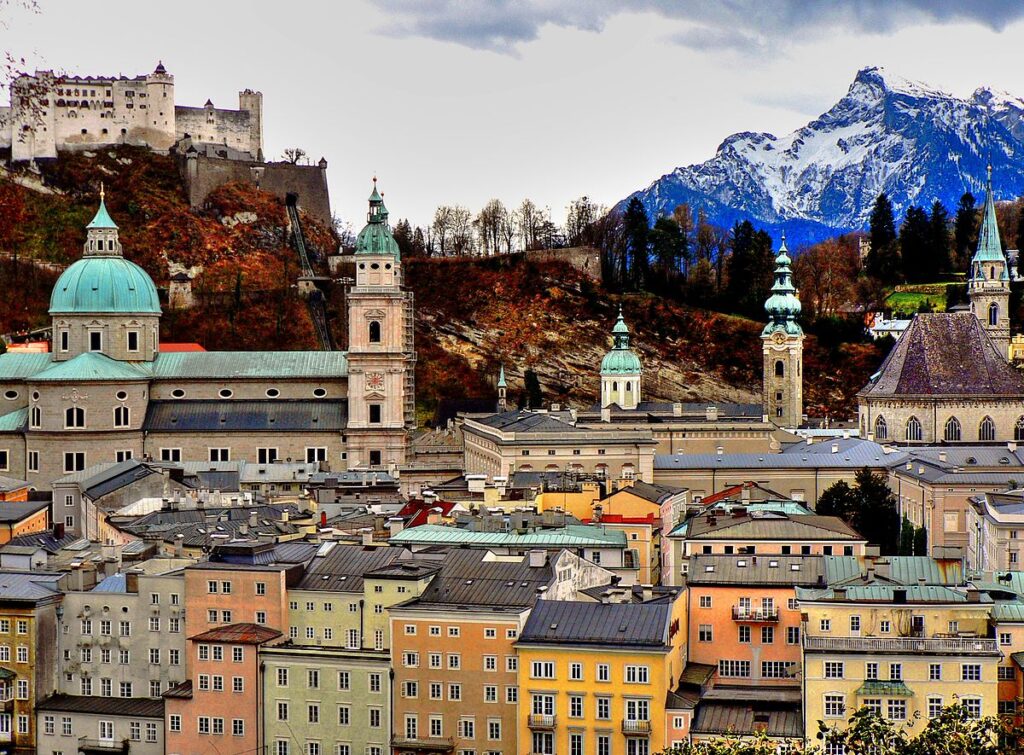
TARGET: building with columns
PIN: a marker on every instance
(107, 393)
(783, 347)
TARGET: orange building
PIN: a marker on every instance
(23, 518)
(743, 616)
(217, 709)
(12, 489)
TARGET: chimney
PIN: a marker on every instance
(179, 545)
(395, 525)
(973, 595)
(538, 558)
(131, 579)
(434, 516)
(839, 593)
(58, 530)
(367, 535)
(606, 414)
(942, 456)
(846, 434)
(719, 451)
(598, 512)
(711, 414)
(835, 448)
(810, 440)
(677, 409)
(475, 482)
(323, 518)
(252, 518)
(745, 493)
(647, 593)
(284, 516)
(1011, 447)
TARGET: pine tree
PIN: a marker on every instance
(637, 231)
(740, 263)
(667, 247)
(403, 237)
(921, 542)
(883, 260)
(940, 239)
(965, 231)
(533, 394)
(915, 237)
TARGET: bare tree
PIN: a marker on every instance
(441, 229)
(490, 224)
(683, 216)
(580, 218)
(294, 154)
(529, 219)
(461, 230)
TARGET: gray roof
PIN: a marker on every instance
(113, 478)
(475, 578)
(113, 583)
(638, 625)
(32, 586)
(525, 421)
(140, 707)
(278, 472)
(714, 717)
(766, 570)
(853, 453)
(945, 354)
(342, 566)
(8, 484)
(651, 492)
(15, 511)
(270, 415)
(900, 570)
(769, 525)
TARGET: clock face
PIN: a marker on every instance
(779, 337)
(374, 381)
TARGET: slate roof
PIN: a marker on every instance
(853, 455)
(14, 511)
(236, 365)
(650, 492)
(476, 578)
(945, 354)
(240, 634)
(140, 707)
(636, 625)
(770, 526)
(570, 536)
(32, 586)
(270, 415)
(756, 570)
(342, 567)
(714, 717)
(524, 421)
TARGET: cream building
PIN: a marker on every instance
(107, 393)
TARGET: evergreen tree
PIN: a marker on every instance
(1020, 228)
(839, 499)
(883, 260)
(667, 247)
(869, 506)
(915, 238)
(965, 231)
(940, 239)
(740, 262)
(403, 237)
(921, 542)
(534, 395)
(637, 231)
(906, 537)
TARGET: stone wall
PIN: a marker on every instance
(203, 174)
(586, 259)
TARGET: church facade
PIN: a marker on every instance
(106, 392)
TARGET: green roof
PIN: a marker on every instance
(902, 570)
(104, 285)
(873, 687)
(620, 360)
(1010, 612)
(783, 306)
(501, 378)
(573, 535)
(376, 238)
(102, 218)
(13, 422)
(990, 248)
(251, 364)
(884, 594)
(93, 366)
(15, 365)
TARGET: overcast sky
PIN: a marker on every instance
(455, 101)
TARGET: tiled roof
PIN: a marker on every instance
(571, 536)
(233, 365)
(241, 634)
(93, 366)
(277, 415)
(945, 354)
(140, 707)
(637, 625)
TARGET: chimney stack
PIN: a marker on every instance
(538, 558)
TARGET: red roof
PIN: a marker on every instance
(419, 510)
(172, 347)
(238, 634)
(621, 519)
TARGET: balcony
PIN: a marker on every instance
(428, 744)
(755, 615)
(102, 746)
(541, 721)
(928, 646)
(632, 727)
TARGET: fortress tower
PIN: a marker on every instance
(783, 347)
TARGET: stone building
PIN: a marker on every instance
(50, 113)
(107, 393)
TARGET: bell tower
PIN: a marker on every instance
(989, 284)
(783, 347)
(620, 371)
(381, 355)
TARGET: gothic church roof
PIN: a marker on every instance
(944, 354)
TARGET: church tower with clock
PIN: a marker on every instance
(783, 346)
(381, 355)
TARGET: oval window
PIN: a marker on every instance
(226, 393)
(387, 266)
(35, 395)
(273, 393)
(375, 266)
(362, 265)
(121, 395)
(10, 395)
(178, 393)
(319, 392)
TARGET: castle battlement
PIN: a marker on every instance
(51, 113)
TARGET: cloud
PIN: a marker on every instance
(735, 25)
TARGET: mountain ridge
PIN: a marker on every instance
(887, 133)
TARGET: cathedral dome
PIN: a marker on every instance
(104, 284)
(620, 360)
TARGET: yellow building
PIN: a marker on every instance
(902, 651)
(595, 677)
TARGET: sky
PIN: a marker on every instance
(459, 101)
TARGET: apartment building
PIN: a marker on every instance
(100, 725)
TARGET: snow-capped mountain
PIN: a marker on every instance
(887, 134)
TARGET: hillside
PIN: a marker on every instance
(888, 134)
(472, 314)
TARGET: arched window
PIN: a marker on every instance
(615, 385)
(780, 368)
(913, 429)
(374, 331)
(36, 417)
(993, 314)
(881, 429)
(992, 272)
(74, 416)
(952, 431)
(629, 386)
(1018, 429)
(121, 416)
(987, 429)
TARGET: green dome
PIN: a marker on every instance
(104, 284)
(620, 362)
(376, 238)
(783, 306)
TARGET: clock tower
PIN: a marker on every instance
(381, 356)
(783, 347)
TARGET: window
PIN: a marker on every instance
(603, 672)
(220, 454)
(237, 654)
(825, 625)
(455, 692)
(374, 682)
(744, 634)
(315, 454)
(871, 671)
(885, 626)
(542, 670)
(914, 429)
(970, 672)
(282, 677)
(881, 428)
(313, 713)
(833, 669)
(490, 693)
(773, 669)
(374, 331)
(170, 454)
(436, 691)
(604, 708)
(987, 429)
(1005, 638)
(767, 635)
(374, 718)
(734, 669)
(895, 672)
(792, 635)
(835, 706)
(65, 340)
(106, 729)
(896, 710)
(490, 663)
(1018, 429)
(1006, 673)
(33, 462)
(74, 417)
(705, 633)
(266, 455)
(637, 675)
(133, 340)
(873, 704)
(282, 710)
(952, 429)
(375, 413)
(704, 601)
(238, 727)
(95, 340)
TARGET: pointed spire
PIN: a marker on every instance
(990, 248)
(501, 378)
(376, 238)
(102, 218)
(783, 306)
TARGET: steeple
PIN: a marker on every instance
(620, 333)
(989, 285)
(376, 238)
(990, 248)
(502, 390)
(783, 306)
(101, 233)
(620, 370)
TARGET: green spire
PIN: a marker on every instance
(990, 248)
(501, 378)
(376, 238)
(102, 219)
(620, 360)
(783, 306)
(621, 332)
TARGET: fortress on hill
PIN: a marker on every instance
(50, 113)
